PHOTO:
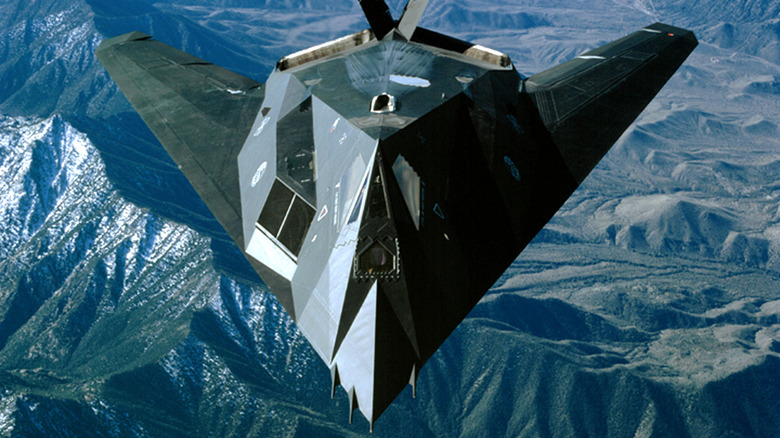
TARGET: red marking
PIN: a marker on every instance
(670, 34)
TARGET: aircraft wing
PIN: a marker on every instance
(588, 102)
(201, 113)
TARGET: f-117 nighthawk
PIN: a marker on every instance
(382, 182)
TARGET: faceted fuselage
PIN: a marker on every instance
(396, 179)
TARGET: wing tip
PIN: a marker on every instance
(673, 32)
(131, 36)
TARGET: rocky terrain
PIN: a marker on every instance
(649, 305)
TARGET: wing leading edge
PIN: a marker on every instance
(588, 102)
(201, 113)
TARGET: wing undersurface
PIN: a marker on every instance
(588, 102)
(201, 113)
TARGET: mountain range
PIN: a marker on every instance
(649, 305)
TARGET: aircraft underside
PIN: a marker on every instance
(381, 183)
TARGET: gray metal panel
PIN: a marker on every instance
(342, 154)
(295, 151)
(419, 77)
(257, 159)
(356, 362)
(201, 114)
(411, 17)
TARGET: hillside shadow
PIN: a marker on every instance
(145, 175)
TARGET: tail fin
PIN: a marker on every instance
(378, 15)
(411, 17)
(382, 23)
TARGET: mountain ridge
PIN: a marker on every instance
(134, 316)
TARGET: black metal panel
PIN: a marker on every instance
(378, 16)
(279, 285)
(296, 225)
(295, 151)
(376, 258)
(431, 38)
(529, 172)
(348, 84)
(276, 207)
(465, 238)
(376, 207)
(395, 359)
(588, 102)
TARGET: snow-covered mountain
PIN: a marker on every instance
(649, 306)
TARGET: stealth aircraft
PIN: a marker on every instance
(381, 183)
